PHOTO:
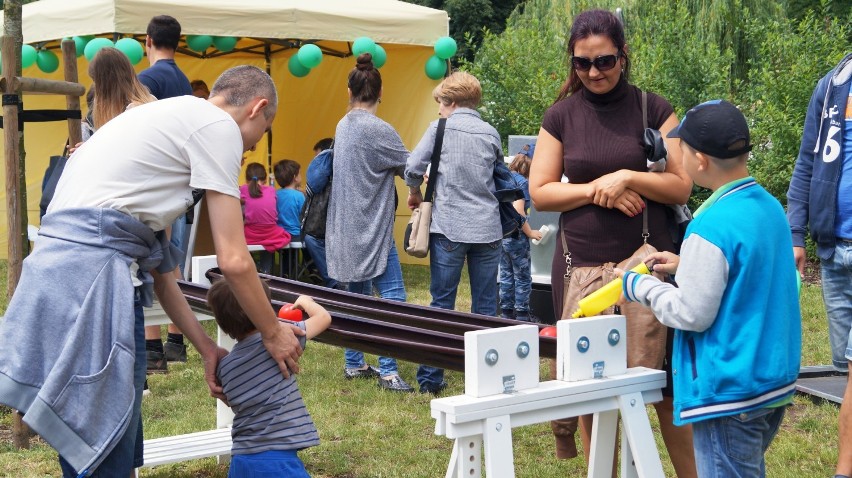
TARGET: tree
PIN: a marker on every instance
(469, 19)
(797, 9)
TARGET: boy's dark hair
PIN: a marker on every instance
(164, 32)
(230, 316)
(323, 144)
(286, 171)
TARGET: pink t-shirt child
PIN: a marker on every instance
(260, 216)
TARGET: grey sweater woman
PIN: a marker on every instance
(368, 155)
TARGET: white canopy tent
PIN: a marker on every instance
(270, 32)
(385, 21)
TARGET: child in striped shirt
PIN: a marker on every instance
(271, 423)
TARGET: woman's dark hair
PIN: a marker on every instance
(286, 171)
(587, 24)
(365, 81)
(255, 175)
(229, 315)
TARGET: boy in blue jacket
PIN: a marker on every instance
(736, 310)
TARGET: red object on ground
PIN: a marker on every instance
(293, 315)
(547, 332)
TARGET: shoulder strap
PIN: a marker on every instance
(436, 158)
(645, 233)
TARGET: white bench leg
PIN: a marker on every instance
(466, 461)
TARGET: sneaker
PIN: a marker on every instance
(145, 390)
(433, 388)
(395, 383)
(174, 352)
(157, 362)
(507, 314)
(526, 316)
(369, 372)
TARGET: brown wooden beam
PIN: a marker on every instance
(41, 85)
(72, 102)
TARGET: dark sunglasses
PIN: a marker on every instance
(602, 63)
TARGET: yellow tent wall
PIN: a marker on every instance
(309, 109)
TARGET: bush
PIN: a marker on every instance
(791, 60)
(522, 68)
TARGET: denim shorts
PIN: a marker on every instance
(735, 445)
(268, 464)
(837, 295)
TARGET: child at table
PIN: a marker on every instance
(289, 198)
(259, 215)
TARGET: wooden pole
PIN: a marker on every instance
(11, 137)
(10, 47)
(72, 102)
(41, 85)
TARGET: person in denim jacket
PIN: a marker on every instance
(819, 200)
(515, 278)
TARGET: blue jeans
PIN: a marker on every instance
(390, 286)
(268, 463)
(733, 446)
(180, 238)
(446, 264)
(515, 278)
(837, 295)
(127, 454)
(316, 248)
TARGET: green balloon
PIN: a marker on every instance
(199, 43)
(95, 45)
(296, 67)
(28, 56)
(363, 45)
(225, 44)
(131, 48)
(309, 55)
(47, 61)
(436, 68)
(379, 57)
(80, 44)
(445, 48)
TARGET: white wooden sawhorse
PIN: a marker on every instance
(489, 420)
(216, 442)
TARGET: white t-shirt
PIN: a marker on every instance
(146, 161)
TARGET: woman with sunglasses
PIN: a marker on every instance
(593, 135)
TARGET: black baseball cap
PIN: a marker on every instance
(716, 128)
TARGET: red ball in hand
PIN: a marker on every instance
(286, 313)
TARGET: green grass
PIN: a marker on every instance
(367, 432)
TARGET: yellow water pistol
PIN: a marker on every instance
(606, 296)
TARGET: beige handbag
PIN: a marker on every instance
(416, 237)
(646, 336)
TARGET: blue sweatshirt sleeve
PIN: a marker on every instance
(798, 194)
